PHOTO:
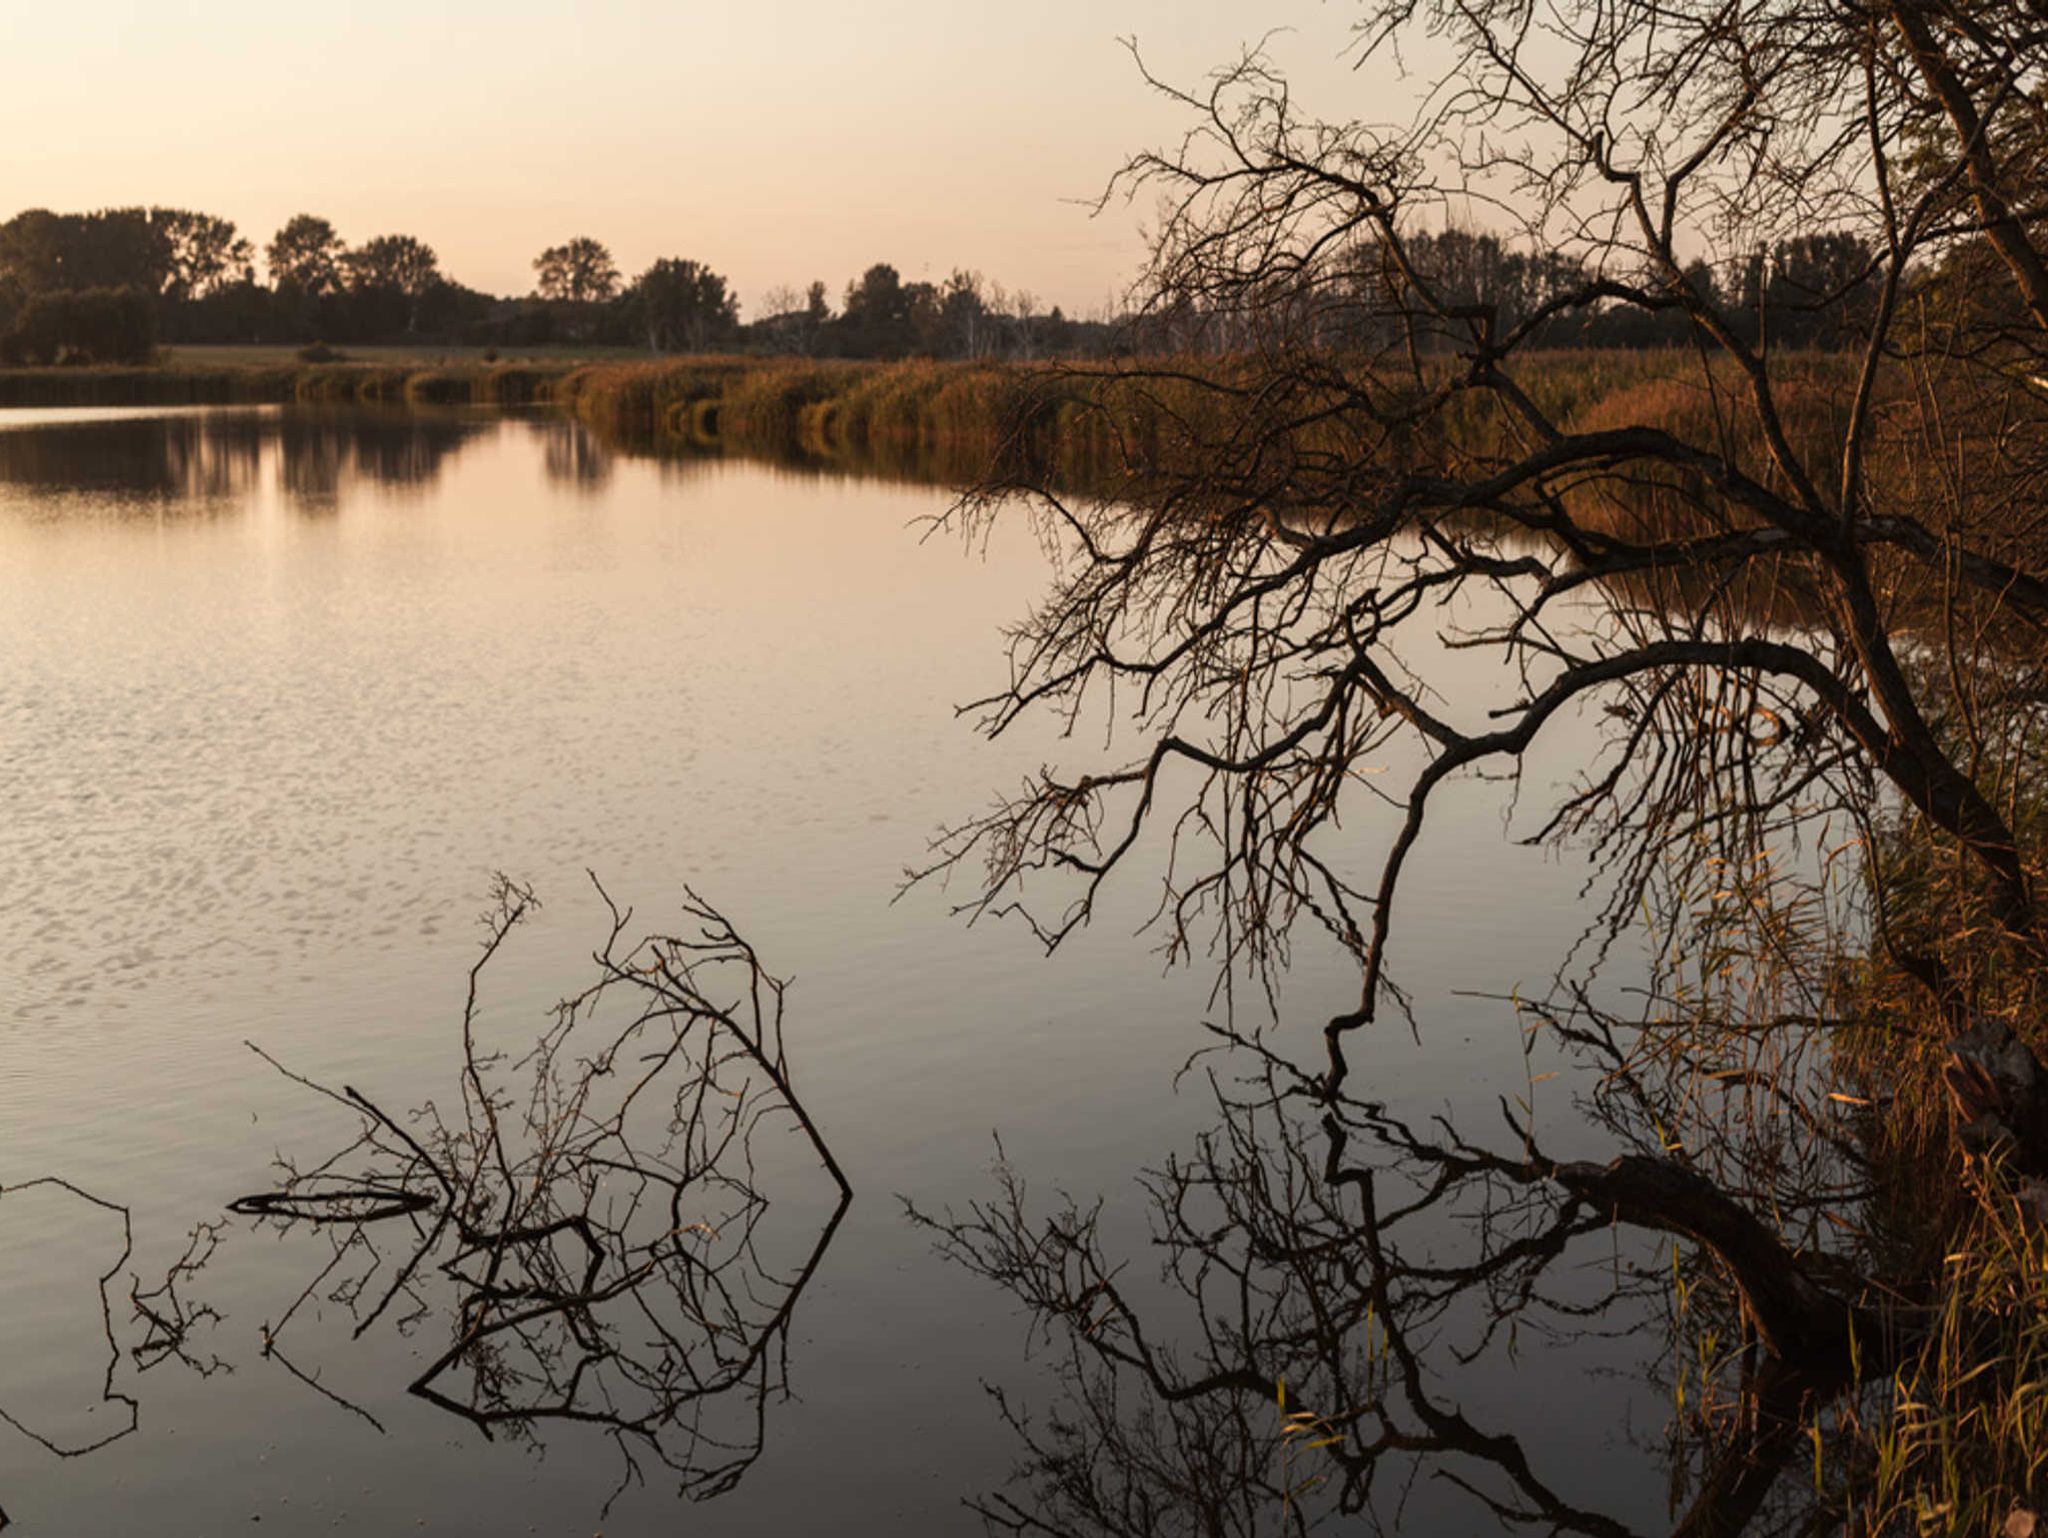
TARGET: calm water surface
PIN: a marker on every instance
(279, 693)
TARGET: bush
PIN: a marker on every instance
(319, 352)
(87, 325)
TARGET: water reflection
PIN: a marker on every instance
(193, 461)
(573, 456)
(297, 786)
(583, 1237)
(207, 459)
(29, 1419)
(589, 1232)
(1338, 1282)
(918, 458)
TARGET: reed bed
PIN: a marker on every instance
(482, 384)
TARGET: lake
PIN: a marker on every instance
(281, 690)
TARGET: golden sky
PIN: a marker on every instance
(778, 140)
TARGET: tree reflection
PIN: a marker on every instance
(588, 1232)
(573, 456)
(1328, 1270)
(127, 1411)
(585, 1231)
(394, 449)
(206, 460)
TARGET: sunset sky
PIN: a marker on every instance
(780, 141)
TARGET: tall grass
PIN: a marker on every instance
(179, 384)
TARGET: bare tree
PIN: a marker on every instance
(1802, 593)
(1249, 588)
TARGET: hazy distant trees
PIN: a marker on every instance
(305, 257)
(323, 288)
(580, 271)
(874, 320)
(195, 274)
(963, 315)
(111, 248)
(793, 322)
(885, 317)
(1810, 290)
(394, 274)
(399, 262)
(95, 287)
(32, 251)
(682, 305)
(203, 254)
(174, 253)
(198, 273)
(967, 316)
(84, 325)
(781, 321)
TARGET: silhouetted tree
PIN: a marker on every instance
(392, 276)
(782, 320)
(1810, 289)
(875, 320)
(681, 304)
(202, 254)
(111, 248)
(33, 247)
(88, 325)
(580, 271)
(1787, 599)
(963, 310)
(305, 256)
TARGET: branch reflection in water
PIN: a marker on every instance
(590, 1226)
(1329, 1270)
(586, 1229)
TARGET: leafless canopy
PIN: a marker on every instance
(1783, 562)
(1794, 583)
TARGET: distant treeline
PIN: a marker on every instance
(110, 286)
(1804, 292)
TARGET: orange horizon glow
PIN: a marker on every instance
(778, 142)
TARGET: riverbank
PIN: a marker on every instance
(1081, 424)
(1083, 427)
(930, 420)
(205, 382)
